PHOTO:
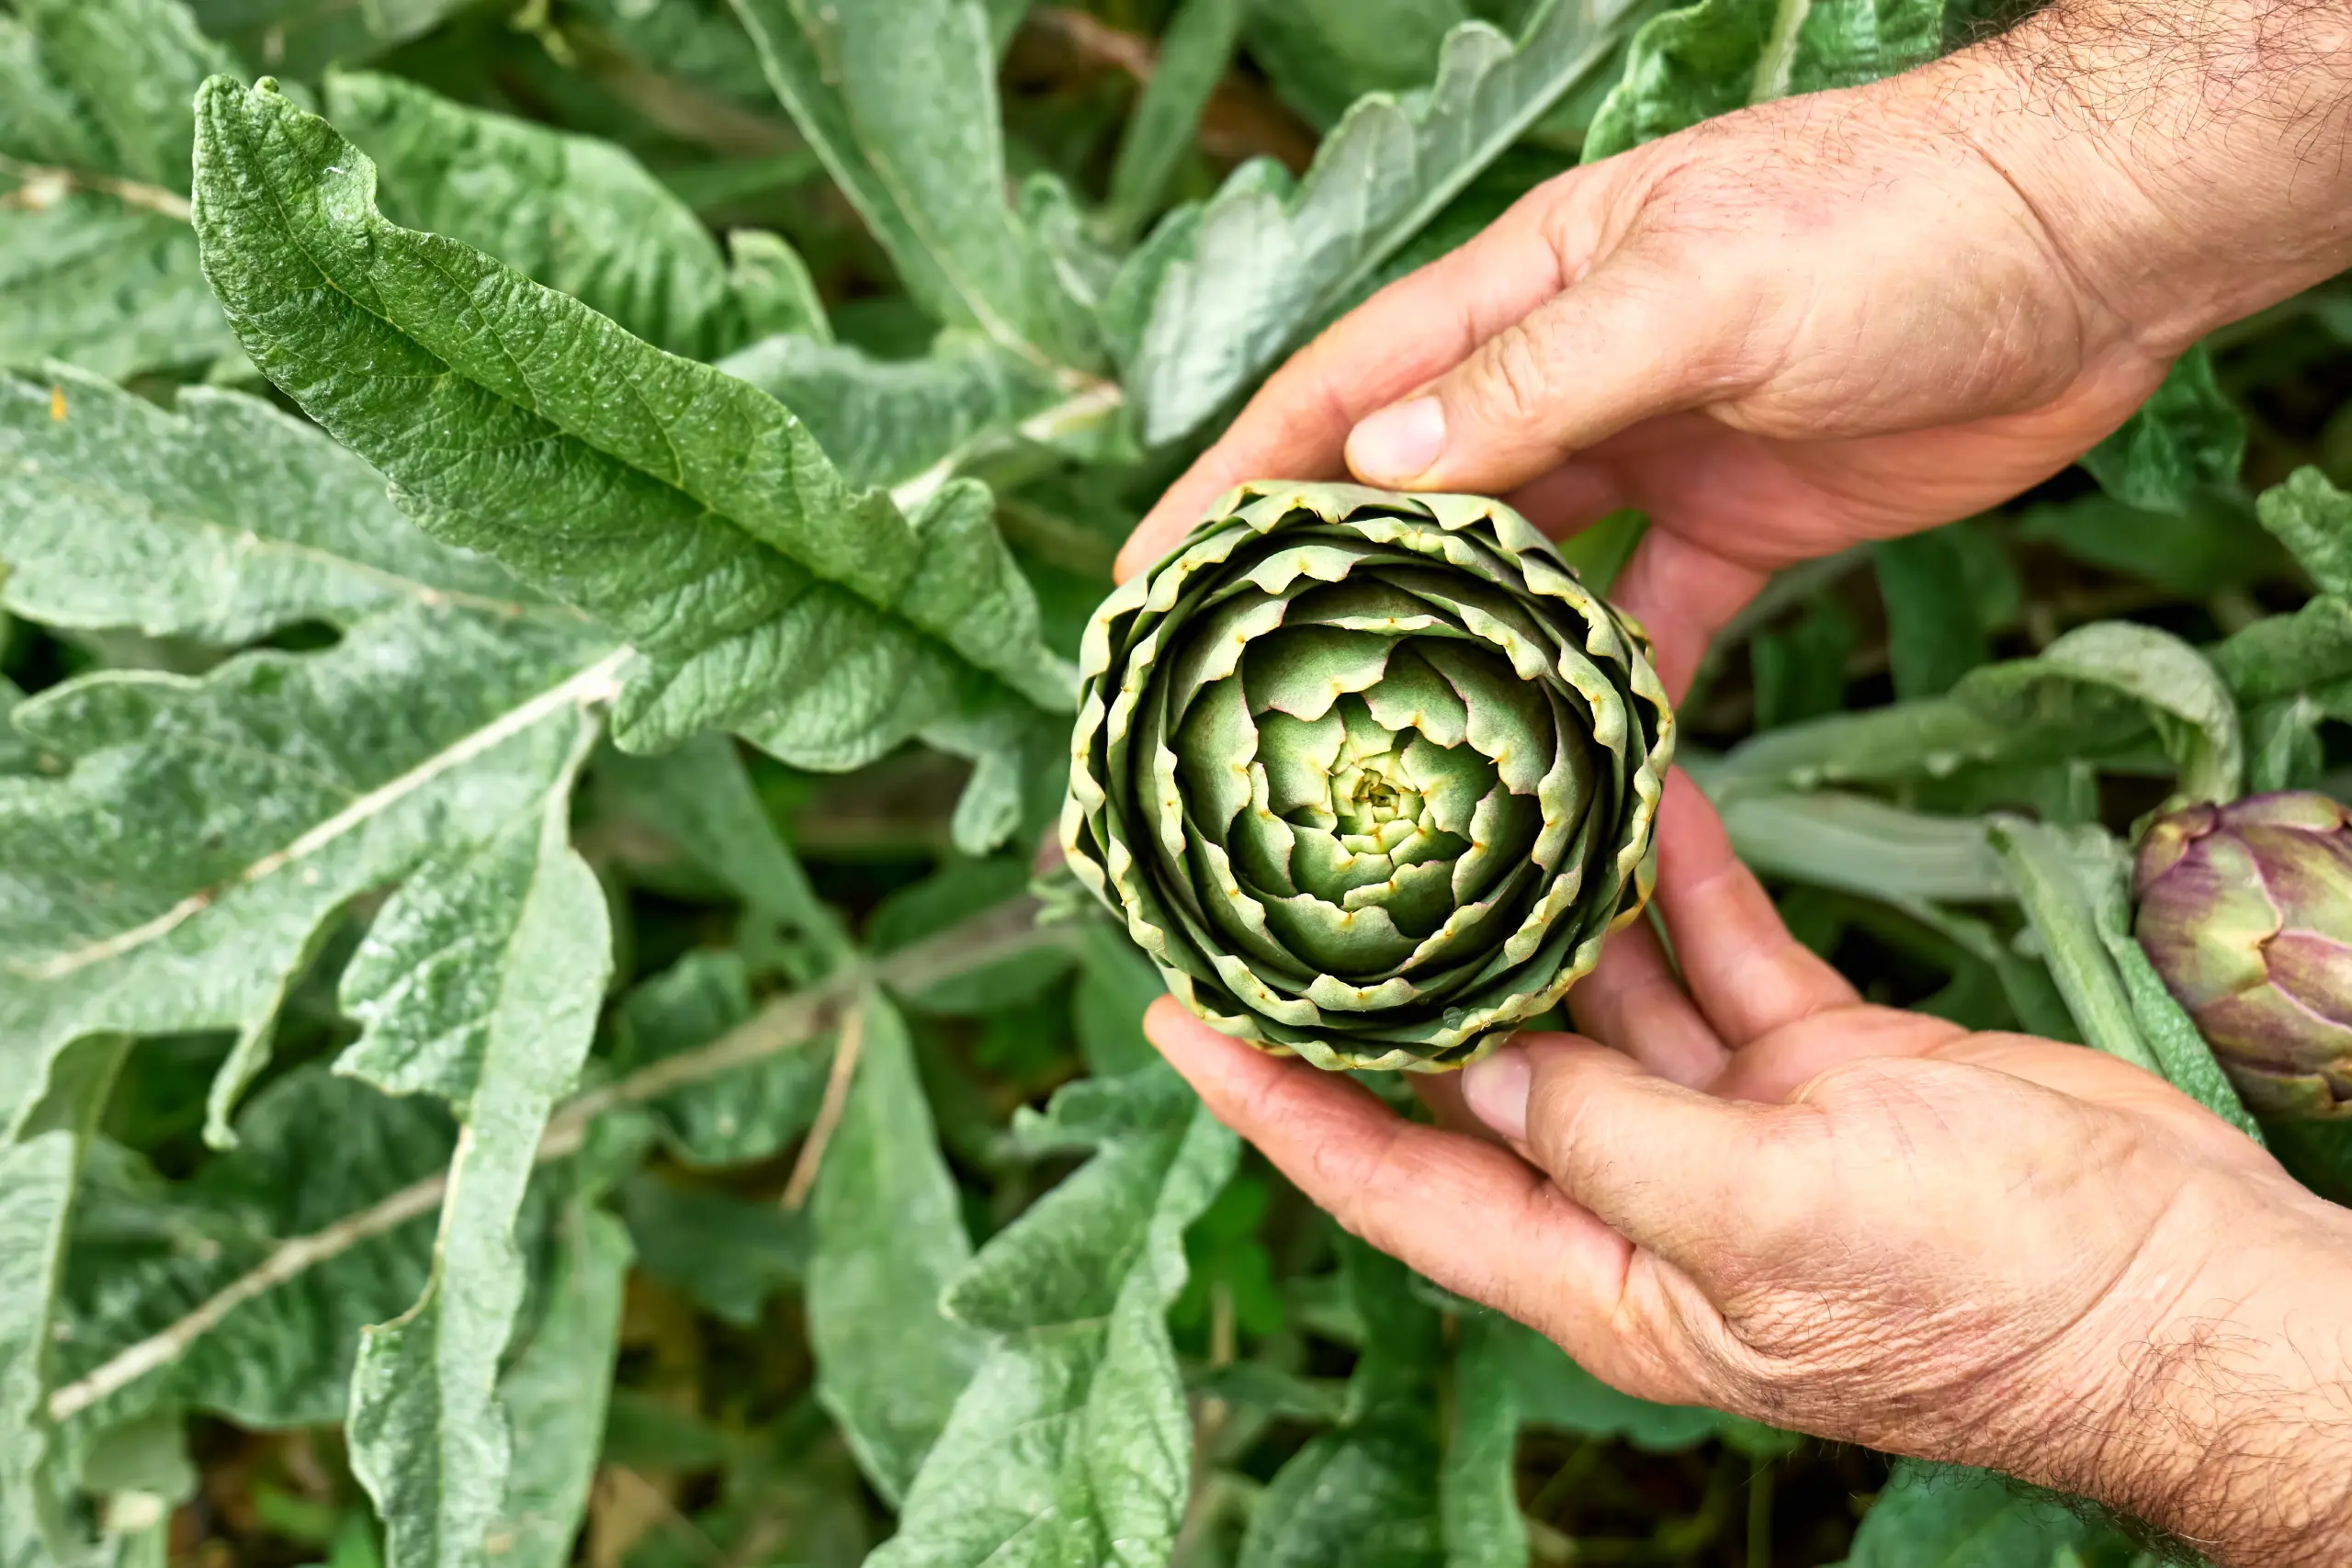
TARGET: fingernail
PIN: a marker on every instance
(1496, 1091)
(1398, 443)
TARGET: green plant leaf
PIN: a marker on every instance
(574, 212)
(1934, 636)
(97, 264)
(1072, 1443)
(1115, 984)
(744, 1114)
(2313, 519)
(729, 1255)
(479, 983)
(957, 890)
(1322, 55)
(40, 1171)
(1477, 1488)
(1720, 55)
(220, 519)
(694, 515)
(2187, 437)
(313, 1150)
(2200, 548)
(1933, 1517)
(176, 878)
(886, 422)
(888, 1237)
(1262, 262)
(1830, 839)
(554, 1388)
(901, 100)
(1193, 53)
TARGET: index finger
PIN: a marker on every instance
(1418, 327)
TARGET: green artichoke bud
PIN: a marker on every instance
(1369, 776)
(2245, 911)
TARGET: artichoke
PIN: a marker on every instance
(1369, 776)
(2245, 911)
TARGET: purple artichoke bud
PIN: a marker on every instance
(2245, 911)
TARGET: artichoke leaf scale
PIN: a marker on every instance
(1369, 776)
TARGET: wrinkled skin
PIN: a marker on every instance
(1799, 328)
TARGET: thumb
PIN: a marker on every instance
(1675, 1171)
(1637, 337)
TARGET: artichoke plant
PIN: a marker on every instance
(1369, 776)
(2245, 911)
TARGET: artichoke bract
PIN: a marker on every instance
(1369, 776)
(2245, 911)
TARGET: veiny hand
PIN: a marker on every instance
(1829, 318)
(1743, 1187)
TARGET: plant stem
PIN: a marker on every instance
(786, 1020)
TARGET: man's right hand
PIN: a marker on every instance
(1830, 319)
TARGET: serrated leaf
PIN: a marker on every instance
(2313, 519)
(1263, 262)
(885, 421)
(174, 879)
(1935, 1516)
(574, 212)
(1072, 1443)
(732, 1118)
(39, 1170)
(887, 1235)
(694, 513)
(1720, 55)
(220, 519)
(480, 982)
(900, 101)
(313, 1150)
(2187, 437)
(554, 1390)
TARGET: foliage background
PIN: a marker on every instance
(479, 1093)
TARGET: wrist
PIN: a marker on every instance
(2188, 165)
(2215, 1393)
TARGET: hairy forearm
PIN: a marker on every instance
(2224, 1413)
(2190, 159)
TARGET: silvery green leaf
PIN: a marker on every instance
(696, 40)
(1072, 1443)
(576, 213)
(888, 1237)
(773, 287)
(1265, 261)
(2313, 519)
(900, 101)
(2182, 693)
(2187, 437)
(1720, 55)
(1193, 53)
(220, 519)
(39, 1169)
(313, 1151)
(112, 287)
(732, 1118)
(1115, 984)
(131, 65)
(554, 1387)
(1322, 55)
(1861, 845)
(479, 983)
(690, 512)
(1477, 1488)
(43, 120)
(2279, 656)
(174, 879)
(885, 421)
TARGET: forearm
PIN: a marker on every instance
(2190, 159)
(2220, 1407)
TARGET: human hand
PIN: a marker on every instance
(1826, 320)
(1771, 1198)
